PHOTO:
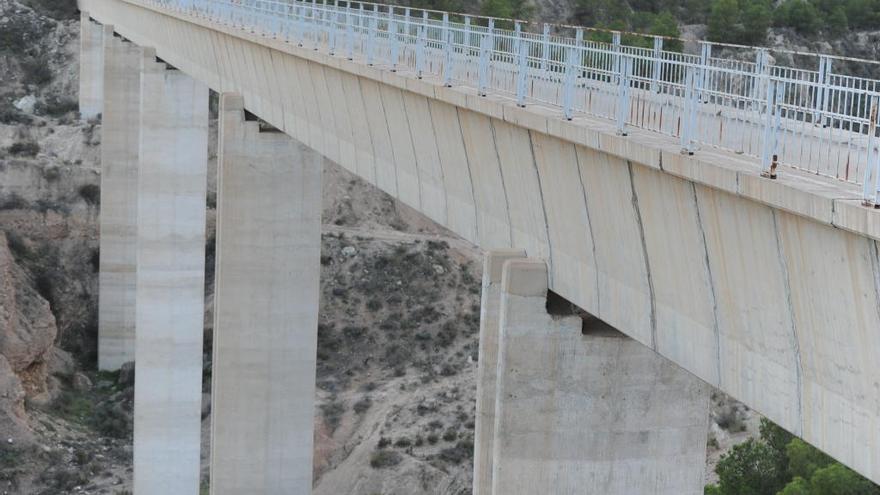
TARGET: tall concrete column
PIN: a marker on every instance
(581, 408)
(490, 303)
(266, 309)
(170, 280)
(91, 67)
(120, 132)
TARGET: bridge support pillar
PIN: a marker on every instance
(91, 67)
(266, 309)
(490, 302)
(581, 408)
(172, 186)
(121, 75)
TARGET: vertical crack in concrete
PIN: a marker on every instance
(795, 342)
(280, 99)
(439, 163)
(875, 269)
(412, 145)
(503, 185)
(638, 212)
(577, 161)
(390, 144)
(369, 133)
(467, 160)
(543, 207)
(717, 327)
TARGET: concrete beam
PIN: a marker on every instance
(266, 309)
(91, 67)
(581, 407)
(170, 280)
(121, 74)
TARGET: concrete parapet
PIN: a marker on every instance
(266, 309)
(171, 193)
(585, 409)
(120, 132)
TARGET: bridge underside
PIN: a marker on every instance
(777, 309)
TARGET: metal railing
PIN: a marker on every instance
(819, 121)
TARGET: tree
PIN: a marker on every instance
(837, 479)
(838, 23)
(724, 15)
(750, 468)
(665, 25)
(797, 486)
(777, 439)
(755, 20)
(804, 459)
(800, 15)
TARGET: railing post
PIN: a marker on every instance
(568, 83)
(869, 188)
(688, 121)
(703, 79)
(392, 38)
(823, 89)
(349, 32)
(448, 48)
(658, 65)
(406, 28)
(315, 24)
(333, 28)
(545, 47)
(623, 92)
(487, 45)
(371, 40)
(769, 158)
(760, 77)
(420, 44)
(615, 57)
(521, 65)
(445, 25)
(467, 36)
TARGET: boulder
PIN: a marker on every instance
(13, 420)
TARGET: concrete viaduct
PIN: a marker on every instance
(766, 289)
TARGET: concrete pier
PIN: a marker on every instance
(120, 132)
(581, 408)
(490, 303)
(170, 280)
(266, 309)
(91, 67)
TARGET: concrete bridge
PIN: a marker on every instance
(766, 289)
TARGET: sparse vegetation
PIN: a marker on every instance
(382, 459)
(91, 193)
(24, 148)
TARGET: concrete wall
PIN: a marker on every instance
(589, 411)
(119, 181)
(171, 195)
(266, 309)
(652, 242)
(91, 67)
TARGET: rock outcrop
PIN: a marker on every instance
(27, 326)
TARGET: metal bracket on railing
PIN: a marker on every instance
(769, 157)
(623, 93)
(521, 65)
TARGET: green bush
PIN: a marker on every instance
(91, 193)
(801, 15)
(56, 107)
(384, 459)
(36, 70)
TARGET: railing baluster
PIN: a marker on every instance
(658, 65)
(869, 196)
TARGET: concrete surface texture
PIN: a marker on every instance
(484, 431)
(653, 242)
(172, 186)
(589, 411)
(119, 181)
(266, 309)
(91, 67)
